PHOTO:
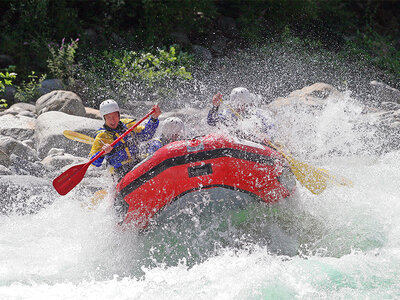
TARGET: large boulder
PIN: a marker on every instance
(49, 85)
(384, 93)
(313, 97)
(63, 101)
(57, 158)
(25, 109)
(49, 133)
(17, 126)
(9, 145)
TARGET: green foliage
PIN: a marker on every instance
(28, 91)
(153, 68)
(163, 17)
(29, 25)
(6, 78)
(61, 62)
(372, 48)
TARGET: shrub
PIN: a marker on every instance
(153, 68)
(6, 78)
(28, 90)
(61, 62)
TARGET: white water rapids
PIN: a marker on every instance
(346, 241)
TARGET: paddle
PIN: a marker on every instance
(314, 179)
(79, 137)
(70, 178)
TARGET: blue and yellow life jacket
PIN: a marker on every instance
(127, 149)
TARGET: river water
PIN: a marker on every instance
(344, 243)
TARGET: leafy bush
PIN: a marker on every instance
(61, 62)
(153, 68)
(6, 78)
(28, 90)
(374, 49)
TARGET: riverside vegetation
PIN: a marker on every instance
(109, 48)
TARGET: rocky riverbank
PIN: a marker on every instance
(33, 149)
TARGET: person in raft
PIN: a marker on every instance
(172, 130)
(241, 117)
(125, 154)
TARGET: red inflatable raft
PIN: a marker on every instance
(202, 163)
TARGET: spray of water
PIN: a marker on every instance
(343, 243)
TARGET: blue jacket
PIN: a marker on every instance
(229, 119)
(127, 149)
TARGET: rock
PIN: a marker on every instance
(22, 166)
(9, 93)
(5, 171)
(24, 194)
(17, 126)
(180, 38)
(92, 113)
(10, 146)
(49, 85)
(57, 159)
(29, 143)
(63, 101)
(49, 133)
(385, 93)
(4, 158)
(202, 53)
(19, 108)
(312, 96)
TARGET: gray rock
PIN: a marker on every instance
(93, 113)
(202, 53)
(313, 96)
(63, 101)
(180, 38)
(57, 159)
(9, 146)
(17, 126)
(22, 166)
(49, 85)
(29, 143)
(9, 93)
(4, 158)
(49, 133)
(5, 171)
(19, 108)
(384, 92)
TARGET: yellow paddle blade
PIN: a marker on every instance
(336, 179)
(96, 199)
(79, 137)
(311, 178)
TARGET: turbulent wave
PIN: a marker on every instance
(344, 243)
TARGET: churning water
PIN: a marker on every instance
(344, 243)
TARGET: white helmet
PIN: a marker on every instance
(240, 95)
(108, 106)
(172, 126)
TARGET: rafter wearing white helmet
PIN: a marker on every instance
(107, 107)
(173, 128)
(241, 95)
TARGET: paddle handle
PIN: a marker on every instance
(121, 137)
